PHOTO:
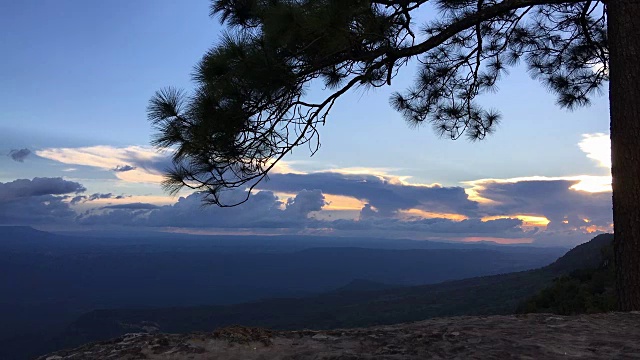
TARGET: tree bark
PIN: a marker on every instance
(624, 97)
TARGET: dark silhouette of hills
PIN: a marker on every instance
(359, 303)
(25, 238)
(585, 256)
(588, 289)
(48, 280)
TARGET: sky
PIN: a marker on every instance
(76, 77)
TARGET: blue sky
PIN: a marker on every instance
(75, 78)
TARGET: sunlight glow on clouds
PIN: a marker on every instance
(283, 167)
(360, 171)
(528, 221)
(151, 199)
(385, 174)
(340, 203)
(412, 213)
(135, 164)
(587, 183)
(351, 201)
(597, 147)
(144, 164)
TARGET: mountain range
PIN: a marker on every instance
(68, 289)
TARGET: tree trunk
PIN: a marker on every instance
(624, 97)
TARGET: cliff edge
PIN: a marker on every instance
(531, 336)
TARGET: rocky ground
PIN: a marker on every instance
(533, 336)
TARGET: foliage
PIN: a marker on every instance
(249, 107)
(581, 291)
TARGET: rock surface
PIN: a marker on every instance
(533, 336)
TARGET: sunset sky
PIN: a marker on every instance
(75, 79)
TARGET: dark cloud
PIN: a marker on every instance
(123, 168)
(553, 199)
(437, 227)
(92, 197)
(97, 196)
(571, 212)
(368, 212)
(158, 164)
(305, 202)
(19, 154)
(23, 188)
(77, 199)
(263, 210)
(573, 215)
(385, 195)
(40, 200)
(43, 209)
(565, 208)
(118, 216)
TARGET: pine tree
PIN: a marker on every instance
(249, 108)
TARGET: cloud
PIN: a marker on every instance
(97, 196)
(555, 199)
(571, 214)
(264, 210)
(19, 154)
(541, 210)
(134, 164)
(123, 168)
(94, 197)
(386, 194)
(436, 227)
(305, 202)
(24, 188)
(352, 201)
(41, 200)
(368, 211)
(597, 147)
(587, 183)
(77, 199)
(570, 211)
(142, 164)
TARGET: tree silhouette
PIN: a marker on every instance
(249, 107)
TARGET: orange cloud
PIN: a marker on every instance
(334, 202)
(528, 221)
(340, 202)
(150, 199)
(432, 215)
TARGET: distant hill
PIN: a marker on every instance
(497, 294)
(585, 256)
(48, 280)
(589, 289)
(19, 239)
